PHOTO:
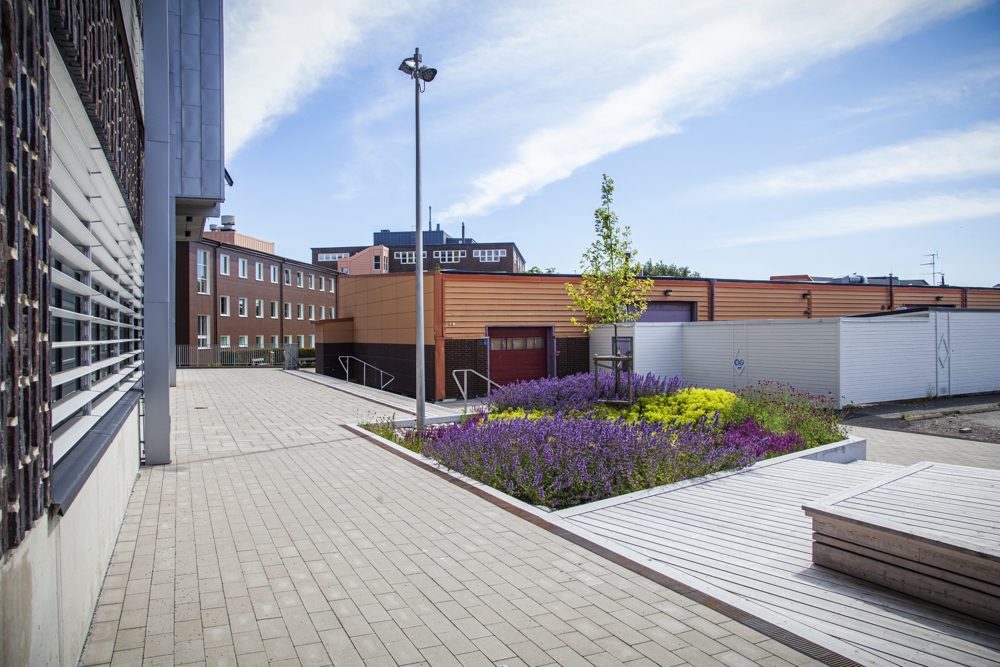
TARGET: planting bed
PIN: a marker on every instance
(555, 443)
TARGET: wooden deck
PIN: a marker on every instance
(745, 537)
(930, 530)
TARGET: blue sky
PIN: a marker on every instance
(745, 139)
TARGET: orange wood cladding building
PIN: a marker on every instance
(482, 321)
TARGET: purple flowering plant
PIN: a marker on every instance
(575, 393)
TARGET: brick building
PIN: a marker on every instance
(394, 252)
(234, 296)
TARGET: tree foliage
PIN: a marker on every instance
(535, 269)
(611, 291)
(662, 269)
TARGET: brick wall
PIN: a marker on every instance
(572, 356)
(465, 353)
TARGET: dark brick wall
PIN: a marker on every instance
(327, 358)
(459, 354)
(572, 356)
(397, 360)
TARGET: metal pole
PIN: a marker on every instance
(419, 258)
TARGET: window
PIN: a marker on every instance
(333, 286)
(259, 271)
(258, 308)
(288, 311)
(536, 343)
(203, 330)
(242, 307)
(377, 262)
(274, 310)
(243, 268)
(224, 264)
(407, 257)
(298, 279)
(312, 341)
(224, 306)
(243, 341)
(322, 312)
(223, 341)
(322, 283)
(288, 276)
(274, 275)
(288, 340)
(274, 341)
(299, 311)
(259, 341)
(331, 256)
(312, 281)
(299, 340)
(203, 273)
(312, 312)
(493, 255)
(449, 256)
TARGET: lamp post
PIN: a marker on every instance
(412, 68)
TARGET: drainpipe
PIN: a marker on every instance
(891, 300)
(711, 316)
(281, 304)
(215, 297)
(965, 297)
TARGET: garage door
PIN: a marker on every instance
(668, 311)
(518, 354)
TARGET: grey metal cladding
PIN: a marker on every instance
(197, 121)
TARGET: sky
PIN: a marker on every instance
(745, 139)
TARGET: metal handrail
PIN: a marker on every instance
(464, 387)
(364, 371)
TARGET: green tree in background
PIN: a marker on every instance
(611, 291)
(672, 270)
(535, 269)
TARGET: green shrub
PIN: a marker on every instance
(685, 407)
(307, 353)
(783, 409)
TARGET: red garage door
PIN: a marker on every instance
(518, 354)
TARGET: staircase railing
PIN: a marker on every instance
(345, 361)
(464, 385)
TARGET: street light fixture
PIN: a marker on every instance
(412, 68)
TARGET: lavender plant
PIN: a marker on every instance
(575, 392)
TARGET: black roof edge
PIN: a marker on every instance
(800, 283)
(265, 255)
(927, 309)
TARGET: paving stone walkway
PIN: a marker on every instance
(277, 537)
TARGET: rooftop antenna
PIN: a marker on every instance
(933, 265)
(429, 218)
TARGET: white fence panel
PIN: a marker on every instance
(974, 351)
(659, 348)
(600, 341)
(708, 355)
(887, 359)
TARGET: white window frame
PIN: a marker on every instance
(274, 341)
(243, 341)
(312, 312)
(376, 262)
(312, 341)
(322, 312)
(258, 342)
(274, 274)
(224, 264)
(300, 311)
(298, 279)
(288, 339)
(242, 266)
(449, 256)
(223, 341)
(300, 340)
(490, 254)
(312, 281)
(288, 277)
(258, 308)
(224, 306)
(331, 256)
(322, 283)
(204, 338)
(204, 286)
(241, 306)
(274, 310)
(288, 310)
(259, 271)
(409, 256)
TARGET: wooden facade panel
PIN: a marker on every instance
(335, 331)
(923, 296)
(986, 298)
(838, 301)
(683, 290)
(748, 301)
(382, 307)
(471, 303)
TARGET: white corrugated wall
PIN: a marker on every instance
(973, 351)
(886, 359)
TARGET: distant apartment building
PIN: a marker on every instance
(395, 252)
(234, 296)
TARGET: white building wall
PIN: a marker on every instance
(887, 359)
(731, 355)
(657, 346)
(974, 351)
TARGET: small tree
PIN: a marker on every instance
(611, 291)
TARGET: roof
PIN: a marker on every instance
(264, 255)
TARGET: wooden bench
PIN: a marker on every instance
(930, 530)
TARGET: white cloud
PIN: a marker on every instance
(279, 52)
(951, 156)
(596, 81)
(935, 209)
